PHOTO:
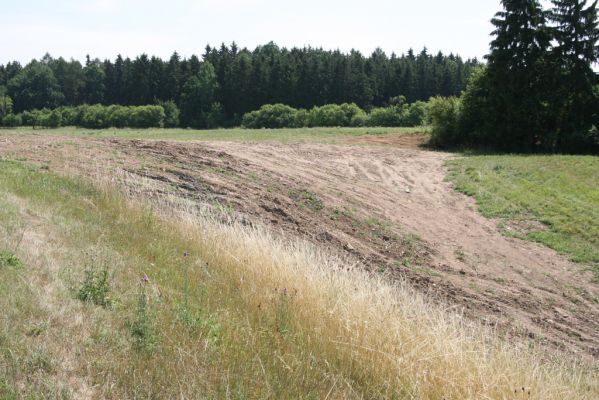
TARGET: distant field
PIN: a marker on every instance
(234, 134)
(553, 200)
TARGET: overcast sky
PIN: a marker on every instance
(105, 28)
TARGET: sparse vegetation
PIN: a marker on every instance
(306, 198)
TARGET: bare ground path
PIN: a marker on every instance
(522, 288)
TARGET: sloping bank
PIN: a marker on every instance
(161, 302)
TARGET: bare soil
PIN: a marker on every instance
(380, 198)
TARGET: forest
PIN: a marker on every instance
(538, 91)
(230, 81)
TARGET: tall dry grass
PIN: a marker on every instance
(233, 311)
(375, 339)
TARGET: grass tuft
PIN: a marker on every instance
(8, 259)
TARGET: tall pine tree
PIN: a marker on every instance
(576, 34)
(516, 115)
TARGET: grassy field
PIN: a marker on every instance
(553, 200)
(235, 134)
(103, 298)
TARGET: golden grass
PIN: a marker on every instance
(252, 314)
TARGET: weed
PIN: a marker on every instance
(459, 254)
(141, 327)
(410, 253)
(39, 360)
(10, 260)
(305, 198)
(96, 287)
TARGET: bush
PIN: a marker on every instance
(302, 118)
(359, 119)
(386, 116)
(5, 106)
(333, 114)
(11, 120)
(70, 115)
(53, 119)
(118, 116)
(146, 117)
(445, 117)
(270, 116)
(95, 117)
(171, 114)
(28, 118)
(416, 114)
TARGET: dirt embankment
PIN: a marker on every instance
(366, 198)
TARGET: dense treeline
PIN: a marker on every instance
(538, 91)
(227, 82)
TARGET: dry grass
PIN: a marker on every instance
(231, 311)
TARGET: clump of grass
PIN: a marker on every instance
(308, 199)
(96, 286)
(40, 360)
(8, 259)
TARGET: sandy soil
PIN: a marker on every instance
(368, 197)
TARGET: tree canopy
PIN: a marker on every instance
(245, 79)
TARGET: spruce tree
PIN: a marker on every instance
(516, 116)
(576, 34)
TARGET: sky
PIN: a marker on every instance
(106, 28)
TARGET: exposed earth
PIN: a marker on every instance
(380, 198)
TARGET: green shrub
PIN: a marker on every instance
(360, 119)
(5, 107)
(11, 120)
(302, 118)
(95, 117)
(416, 114)
(445, 117)
(53, 119)
(171, 114)
(69, 115)
(28, 118)
(118, 116)
(386, 116)
(271, 116)
(333, 114)
(146, 117)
